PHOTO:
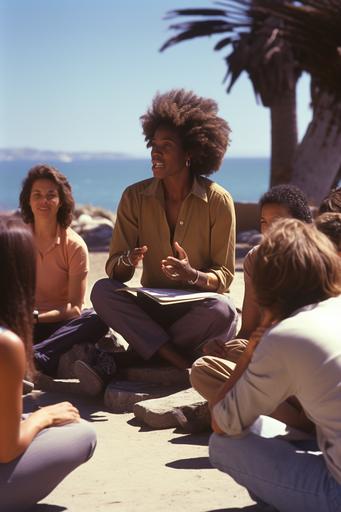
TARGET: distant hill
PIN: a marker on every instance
(38, 155)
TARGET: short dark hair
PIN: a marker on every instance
(17, 280)
(295, 265)
(330, 224)
(332, 202)
(48, 172)
(203, 133)
(292, 198)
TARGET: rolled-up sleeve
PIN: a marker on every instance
(125, 234)
(223, 239)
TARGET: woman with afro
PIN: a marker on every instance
(180, 226)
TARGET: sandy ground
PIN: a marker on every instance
(138, 469)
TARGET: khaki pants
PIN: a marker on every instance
(209, 373)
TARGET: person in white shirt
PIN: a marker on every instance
(295, 355)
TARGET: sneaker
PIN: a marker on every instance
(90, 381)
(93, 378)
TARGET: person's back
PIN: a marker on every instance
(296, 356)
(33, 457)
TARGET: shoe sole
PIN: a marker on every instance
(90, 382)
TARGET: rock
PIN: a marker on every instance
(46, 383)
(255, 239)
(84, 351)
(162, 375)
(95, 225)
(120, 396)
(246, 236)
(97, 236)
(174, 410)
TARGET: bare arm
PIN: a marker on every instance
(251, 312)
(15, 434)
(242, 364)
(77, 289)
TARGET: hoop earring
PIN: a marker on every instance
(188, 162)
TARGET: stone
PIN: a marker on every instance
(174, 410)
(65, 386)
(84, 351)
(121, 396)
(162, 375)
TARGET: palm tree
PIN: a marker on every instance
(313, 29)
(257, 46)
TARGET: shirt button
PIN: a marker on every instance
(181, 222)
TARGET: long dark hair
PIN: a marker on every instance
(17, 281)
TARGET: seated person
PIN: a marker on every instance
(279, 202)
(330, 225)
(35, 454)
(62, 267)
(181, 226)
(297, 279)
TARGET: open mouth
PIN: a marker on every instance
(157, 165)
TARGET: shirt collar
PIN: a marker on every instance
(58, 238)
(154, 189)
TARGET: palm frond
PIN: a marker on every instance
(253, 36)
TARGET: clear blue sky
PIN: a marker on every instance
(77, 74)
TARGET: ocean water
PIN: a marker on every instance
(101, 182)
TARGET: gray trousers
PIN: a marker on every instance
(147, 325)
(52, 455)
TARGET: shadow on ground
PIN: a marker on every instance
(192, 439)
(89, 409)
(194, 463)
(45, 507)
(135, 422)
(249, 508)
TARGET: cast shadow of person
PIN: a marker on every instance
(90, 410)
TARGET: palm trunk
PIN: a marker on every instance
(318, 158)
(283, 137)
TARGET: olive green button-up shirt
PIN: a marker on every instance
(205, 228)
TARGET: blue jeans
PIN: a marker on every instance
(287, 476)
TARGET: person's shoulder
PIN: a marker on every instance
(138, 187)
(217, 195)
(74, 240)
(10, 343)
(312, 325)
(214, 189)
(249, 259)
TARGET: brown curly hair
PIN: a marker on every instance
(203, 133)
(47, 172)
(331, 203)
(330, 224)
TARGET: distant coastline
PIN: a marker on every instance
(46, 155)
(101, 182)
(39, 155)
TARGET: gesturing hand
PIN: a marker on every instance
(178, 269)
(136, 255)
